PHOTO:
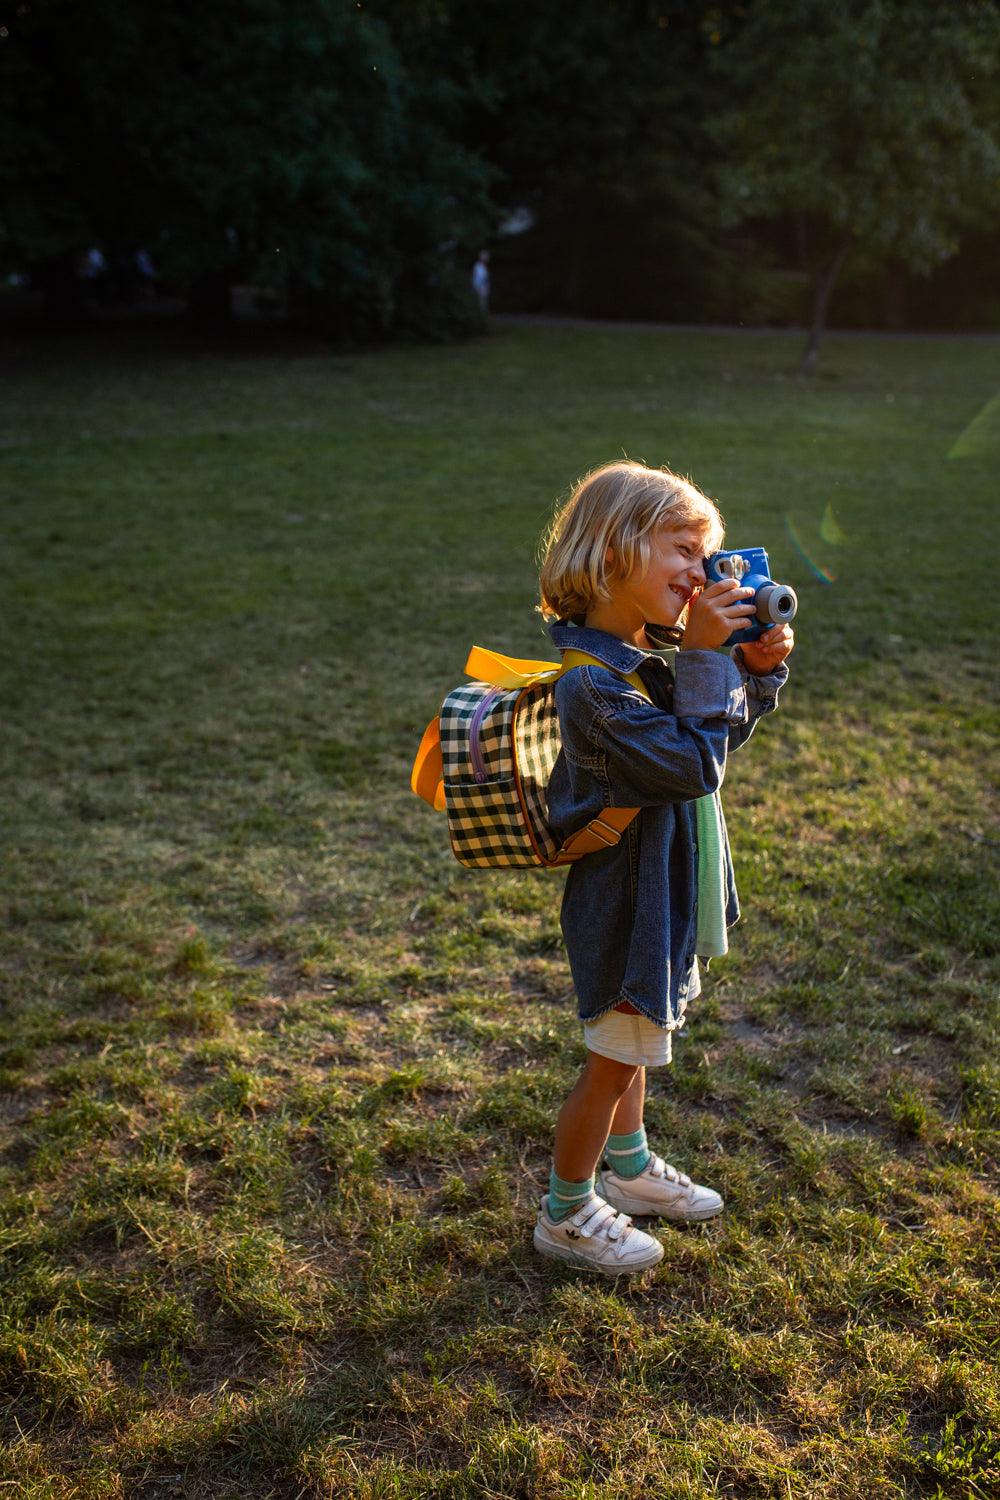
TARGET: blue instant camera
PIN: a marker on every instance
(776, 603)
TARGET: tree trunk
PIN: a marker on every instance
(801, 243)
(820, 304)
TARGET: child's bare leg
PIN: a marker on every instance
(628, 1115)
(584, 1122)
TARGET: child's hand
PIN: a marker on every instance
(768, 651)
(715, 613)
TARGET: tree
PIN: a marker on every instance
(284, 141)
(874, 121)
(592, 116)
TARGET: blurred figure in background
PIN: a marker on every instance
(481, 280)
(93, 271)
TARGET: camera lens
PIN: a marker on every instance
(776, 604)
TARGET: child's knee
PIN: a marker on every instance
(610, 1072)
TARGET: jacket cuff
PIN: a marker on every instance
(767, 685)
(708, 685)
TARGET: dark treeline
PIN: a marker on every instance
(782, 161)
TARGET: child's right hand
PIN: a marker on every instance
(715, 613)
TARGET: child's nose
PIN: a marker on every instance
(697, 574)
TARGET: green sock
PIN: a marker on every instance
(627, 1155)
(566, 1197)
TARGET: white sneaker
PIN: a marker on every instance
(659, 1189)
(598, 1239)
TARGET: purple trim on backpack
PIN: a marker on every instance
(475, 750)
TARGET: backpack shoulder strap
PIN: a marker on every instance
(573, 659)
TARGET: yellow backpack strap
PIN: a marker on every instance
(604, 831)
(573, 659)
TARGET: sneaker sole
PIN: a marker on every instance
(646, 1209)
(586, 1263)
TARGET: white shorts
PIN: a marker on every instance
(633, 1039)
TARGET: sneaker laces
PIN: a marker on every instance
(598, 1217)
(659, 1168)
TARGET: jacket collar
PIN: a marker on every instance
(616, 654)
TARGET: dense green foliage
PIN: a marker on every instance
(285, 144)
(354, 154)
(279, 1077)
(874, 124)
(594, 118)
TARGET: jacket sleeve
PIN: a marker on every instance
(761, 697)
(648, 755)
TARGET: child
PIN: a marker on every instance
(622, 563)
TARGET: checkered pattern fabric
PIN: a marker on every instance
(496, 773)
(537, 743)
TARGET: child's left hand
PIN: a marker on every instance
(769, 651)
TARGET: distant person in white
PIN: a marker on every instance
(481, 280)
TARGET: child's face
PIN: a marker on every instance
(676, 570)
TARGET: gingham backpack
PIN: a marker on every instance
(486, 760)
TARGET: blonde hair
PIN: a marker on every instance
(619, 506)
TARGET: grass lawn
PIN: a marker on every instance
(279, 1076)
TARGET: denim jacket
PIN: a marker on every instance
(629, 913)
